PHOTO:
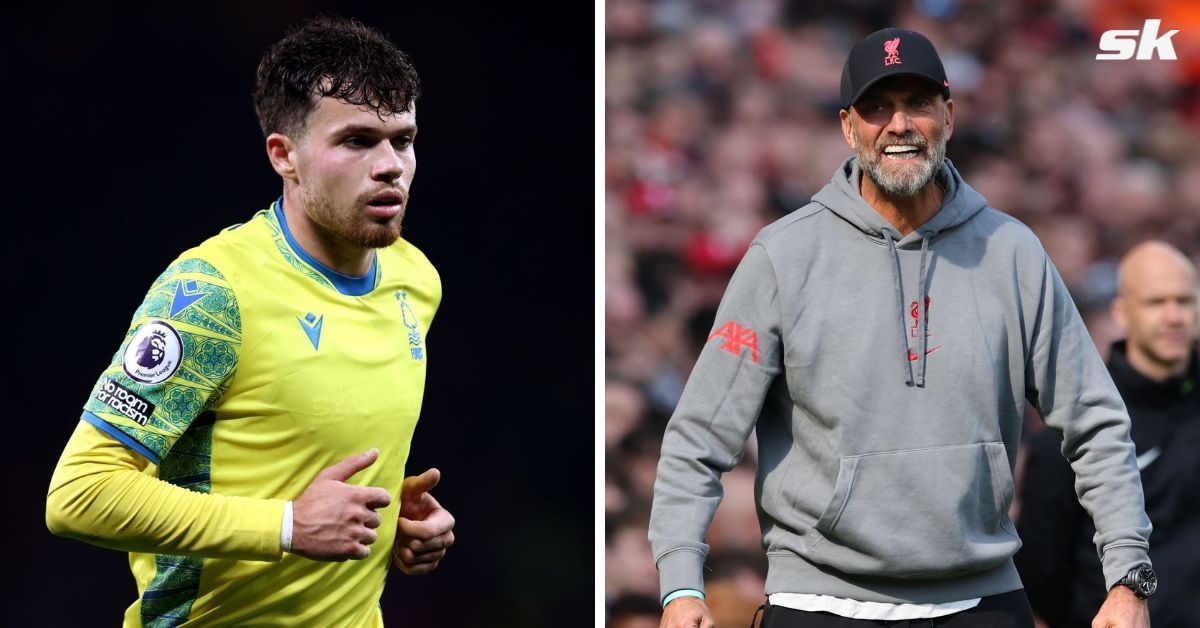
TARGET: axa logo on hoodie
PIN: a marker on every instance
(734, 337)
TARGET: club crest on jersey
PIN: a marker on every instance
(410, 321)
(153, 354)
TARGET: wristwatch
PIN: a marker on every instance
(1142, 580)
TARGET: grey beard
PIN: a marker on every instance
(902, 185)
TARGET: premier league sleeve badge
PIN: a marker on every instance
(153, 354)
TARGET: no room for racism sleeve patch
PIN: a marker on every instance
(123, 400)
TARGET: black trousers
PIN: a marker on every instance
(1007, 610)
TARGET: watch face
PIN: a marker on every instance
(1147, 581)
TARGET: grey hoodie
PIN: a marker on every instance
(887, 432)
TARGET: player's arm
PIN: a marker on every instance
(1076, 397)
(707, 433)
(101, 495)
(177, 359)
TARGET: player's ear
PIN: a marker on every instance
(847, 128)
(949, 118)
(281, 153)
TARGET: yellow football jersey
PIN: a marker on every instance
(249, 368)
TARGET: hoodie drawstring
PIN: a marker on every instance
(908, 374)
(922, 313)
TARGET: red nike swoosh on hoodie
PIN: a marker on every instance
(912, 356)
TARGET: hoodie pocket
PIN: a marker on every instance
(919, 513)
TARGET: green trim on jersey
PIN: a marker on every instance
(167, 600)
(210, 332)
(285, 249)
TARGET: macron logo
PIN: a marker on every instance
(1121, 44)
(186, 293)
(312, 328)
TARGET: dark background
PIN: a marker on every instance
(130, 137)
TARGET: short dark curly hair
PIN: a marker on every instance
(331, 56)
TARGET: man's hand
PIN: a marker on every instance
(1122, 609)
(425, 529)
(687, 612)
(336, 521)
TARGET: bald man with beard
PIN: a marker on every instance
(1155, 370)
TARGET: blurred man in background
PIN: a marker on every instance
(1155, 370)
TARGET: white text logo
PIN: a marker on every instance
(1120, 44)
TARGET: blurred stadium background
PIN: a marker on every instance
(721, 116)
(130, 137)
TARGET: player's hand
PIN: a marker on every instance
(1122, 609)
(336, 521)
(687, 612)
(425, 530)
